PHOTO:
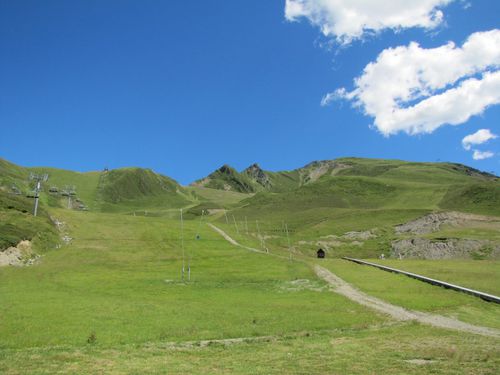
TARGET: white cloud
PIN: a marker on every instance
(416, 90)
(479, 137)
(347, 20)
(331, 96)
(480, 155)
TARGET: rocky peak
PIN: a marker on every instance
(256, 173)
(226, 169)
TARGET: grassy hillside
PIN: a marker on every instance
(122, 190)
(85, 185)
(363, 195)
(120, 278)
(368, 184)
(321, 199)
(137, 188)
(221, 198)
(483, 198)
(12, 175)
(116, 190)
(17, 223)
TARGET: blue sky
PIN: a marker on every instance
(185, 86)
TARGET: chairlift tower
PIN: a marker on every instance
(38, 178)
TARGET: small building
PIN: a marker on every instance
(320, 253)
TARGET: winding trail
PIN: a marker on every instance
(396, 312)
(232, 241)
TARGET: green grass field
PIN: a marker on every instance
(119, 283)
(397, 349)
(120, 278)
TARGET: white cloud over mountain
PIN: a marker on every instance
(417, 90)
(479, 137)
(480, 155)
(347, 20)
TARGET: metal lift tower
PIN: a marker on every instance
(38, 178)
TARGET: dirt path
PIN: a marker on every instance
(233, 242)
(397, 312)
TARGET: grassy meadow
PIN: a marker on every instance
(120, 279)
(113, 301)
(394, 349)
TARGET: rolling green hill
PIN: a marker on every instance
(137, 188)
(350, 194)
(121, 190)
(371, 183)
(17, 223)
(116, 190)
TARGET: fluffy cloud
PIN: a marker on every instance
(480, 155)
(479, 137)
(416, 90)
(347, 20)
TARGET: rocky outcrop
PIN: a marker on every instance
(316, 169)
(421, 248)
(16, 256)
(256, 173)
(433, 222)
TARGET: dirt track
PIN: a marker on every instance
(396, 312)
(231, 241)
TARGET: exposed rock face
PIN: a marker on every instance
(15, 256)
(314, 170)
(256, 173)
(433, 222)
(421, 248)
(226, 169)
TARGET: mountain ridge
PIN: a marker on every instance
(254, 179)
